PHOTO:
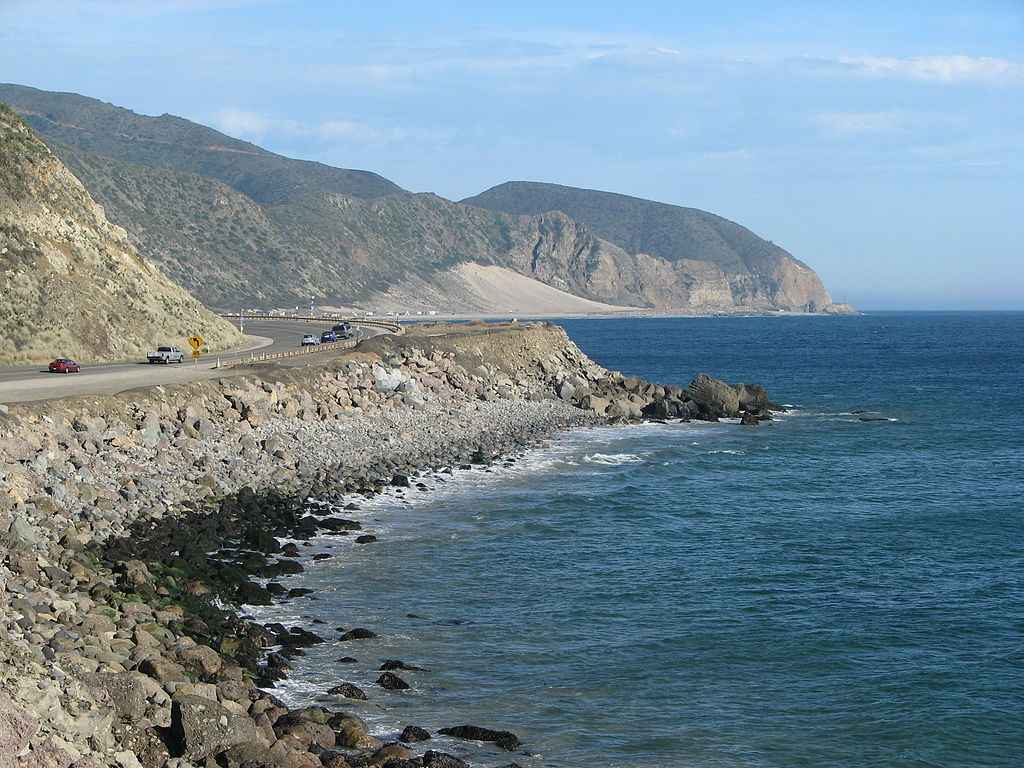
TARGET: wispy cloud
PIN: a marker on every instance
(246, 124)
(392, 65)
(937, 69)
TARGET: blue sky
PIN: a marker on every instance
(882, 145)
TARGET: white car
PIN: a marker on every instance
(166, 355)
(309, 340)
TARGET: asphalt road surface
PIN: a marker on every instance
(35, 382)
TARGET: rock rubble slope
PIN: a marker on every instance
(132, 527)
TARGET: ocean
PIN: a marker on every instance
(816, 591)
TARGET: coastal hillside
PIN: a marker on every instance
(682, 257)
(240, 226)
(172, 142)
(72, 283)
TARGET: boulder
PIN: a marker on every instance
(598, 405)
(202, 660)
(625, 410)
(389, 752)
(163, 670)
(432, 759)
(715, 397)
(386, 380)
(752, 397)
(359, 633)
(304, 734)
(331, 759)
(348, 690)
(413, 733)
(392, 682)
(351, 732)
(201, 728)
(146, 747)
(666, 408)
(125, 690)
(504, 739)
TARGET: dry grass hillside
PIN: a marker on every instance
(71, 283)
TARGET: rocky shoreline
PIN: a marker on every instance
(132, 528)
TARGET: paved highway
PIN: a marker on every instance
(34, 382)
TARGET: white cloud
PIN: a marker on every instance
(938, 69)
(243, 124)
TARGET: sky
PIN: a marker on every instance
(880, 142)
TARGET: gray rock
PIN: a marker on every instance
(714, 396)
(351, 732)
(201, 728)
(433, 759)
(126, 691)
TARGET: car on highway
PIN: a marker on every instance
(309, 340)
(64, 365)
(343, 330)
(166, 355)
(328, 336)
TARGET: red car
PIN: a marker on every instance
(63, 365)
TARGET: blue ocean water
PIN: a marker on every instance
(818, 591)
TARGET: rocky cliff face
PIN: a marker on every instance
(71, 282)
(666, 256)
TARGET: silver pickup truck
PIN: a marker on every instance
(165, 355)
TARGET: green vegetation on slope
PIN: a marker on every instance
(173, 142)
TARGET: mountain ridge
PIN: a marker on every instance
(671, 237)
(123, 134)
(257, 228)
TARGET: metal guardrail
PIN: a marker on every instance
(259, 357)
(395, 328)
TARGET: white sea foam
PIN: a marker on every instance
(612, 459)
(730, 451)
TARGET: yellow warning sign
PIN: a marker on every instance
(196, 342)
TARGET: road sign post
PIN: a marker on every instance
(196, 342)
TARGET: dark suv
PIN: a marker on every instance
(328, 336)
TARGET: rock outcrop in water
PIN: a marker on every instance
(132, 526)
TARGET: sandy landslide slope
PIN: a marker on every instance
(71, 282)
(477, 288)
